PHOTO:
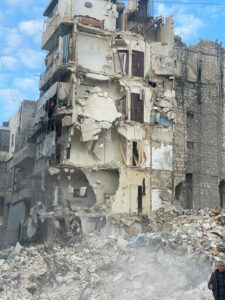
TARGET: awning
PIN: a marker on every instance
(47, 95)
(40, 112)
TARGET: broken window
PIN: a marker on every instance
(137, 108)
(124, 61)
(137, 153)
(80, 193)
(66, 45)
(137, 63)
(121, 105)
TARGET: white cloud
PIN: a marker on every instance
(186, 24)
(32, 28)
(9, 63)
(9, 101)
(30, 58)
(13, 40)
(26, 84)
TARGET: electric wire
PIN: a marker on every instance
(7, 80)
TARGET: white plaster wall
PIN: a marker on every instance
(132, 131)
(148, 104)
(100, 107)
(126, 199)
(147, 154)
(163, 59)
(103, 182)
(63, 6)
(106, 151)
(162, 158)
(156, 200)
(92, 51)
(101, 10)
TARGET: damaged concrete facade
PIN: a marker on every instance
(124, 123)
(101, 141)
(107, 98)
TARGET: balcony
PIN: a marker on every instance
(24, 156)
(51, 34)
(57, 64)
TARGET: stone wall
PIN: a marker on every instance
(200, 95)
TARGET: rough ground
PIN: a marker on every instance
(171, 259)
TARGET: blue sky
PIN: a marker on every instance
(21, 25)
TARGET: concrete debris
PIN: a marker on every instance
(100, 107)
(91, 129)
(53, 171)
(101, 264)
(37, 215)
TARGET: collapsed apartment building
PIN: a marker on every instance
(129, 118)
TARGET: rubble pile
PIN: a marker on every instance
(170, 260)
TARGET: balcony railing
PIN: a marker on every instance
(58, 63)
(48, 42)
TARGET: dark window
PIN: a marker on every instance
(68, 153)
(135, 156)
(143, 187)
(4, 140)
(137, 108)
(137, 63)
(190, 145)
(1, 208)
(189, 190)
(140, 193)
(190, 115)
